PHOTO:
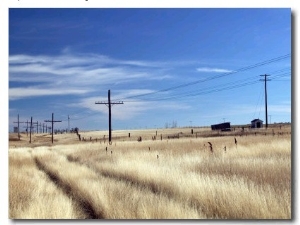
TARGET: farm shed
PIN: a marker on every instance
(256, 123)
(221, 126)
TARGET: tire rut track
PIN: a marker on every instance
(84, 205)
(119, 177)
(153, 187)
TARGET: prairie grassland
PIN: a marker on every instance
(162, 179)
(32, 194)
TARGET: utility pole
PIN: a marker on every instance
(30, 129)
(52, 122)
(27, 127)
(266, 99)
(68, 124)
(35, 123)
(18, 122)
(40, 125)
(109, 104)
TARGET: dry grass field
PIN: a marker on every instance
(176, 176)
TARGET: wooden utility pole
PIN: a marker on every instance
(18, 122)
(30, 129)
(266, 99)
(40, 127)
(52, 122)
(109, 104)
(68, 124)
(35, 123)
(27, 127)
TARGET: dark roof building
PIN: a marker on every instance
(256, 123)
(221, 126)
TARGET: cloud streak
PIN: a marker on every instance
(20, 93)
(75, 74)
(213, 70)
(131, 107)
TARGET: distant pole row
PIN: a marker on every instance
(52, 121)
(38, 126)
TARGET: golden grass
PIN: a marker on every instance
(168, 179)
(32, 195)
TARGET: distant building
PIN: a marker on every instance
(256, 123)
(221, 126)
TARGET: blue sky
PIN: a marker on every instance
(192, 66)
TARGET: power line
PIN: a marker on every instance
(203, 91)
(213, 77)
(219, 88)
(258, 103)
(188, 94)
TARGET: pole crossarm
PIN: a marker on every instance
(265, 78)
(111, 103)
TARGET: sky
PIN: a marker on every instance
(169, 66)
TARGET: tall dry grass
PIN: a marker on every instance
(102, 197)
(32, 195)
(174, 179)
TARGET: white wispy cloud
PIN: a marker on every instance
(213, 70)
(126, 111)
(131, 107)
(19, 93)
(75, 73)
